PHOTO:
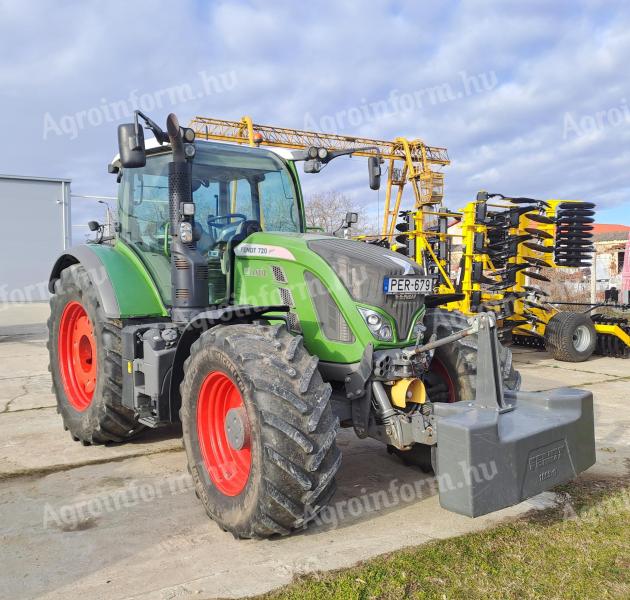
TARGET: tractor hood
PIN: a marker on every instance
(362, 268)
(355, 268)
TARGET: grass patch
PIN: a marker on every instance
(580, 549)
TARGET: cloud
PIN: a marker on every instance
(294, 60)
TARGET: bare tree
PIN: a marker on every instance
(326, 211)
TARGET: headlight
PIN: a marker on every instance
(185, 232)
(378, 325)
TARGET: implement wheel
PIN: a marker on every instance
(259, 430)
(86, 362)
(570, 337)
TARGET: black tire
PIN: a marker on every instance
(454, 366)
(294, 456)
(105, 419)
(570, 337)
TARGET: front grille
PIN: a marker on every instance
(201, 272)
(286, 297)
(331, 321)
(182, 264)
(362, 267)
(279, 274)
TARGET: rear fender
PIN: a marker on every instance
(123, 284)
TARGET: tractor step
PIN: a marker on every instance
(489, 458)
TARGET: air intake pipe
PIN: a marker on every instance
(189, 269)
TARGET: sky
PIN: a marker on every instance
(530, 98)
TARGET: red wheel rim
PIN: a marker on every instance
(77, 356)
(440, 370)
(227, 467)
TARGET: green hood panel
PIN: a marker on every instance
(269, 265)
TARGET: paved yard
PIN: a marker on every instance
(122, 521)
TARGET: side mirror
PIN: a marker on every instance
(131, 146)
(351, 217)
(374, 169)
(93, 225)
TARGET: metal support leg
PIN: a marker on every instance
(489, 388)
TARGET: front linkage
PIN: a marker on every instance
(504, 446)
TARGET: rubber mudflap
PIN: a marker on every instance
(488, 460)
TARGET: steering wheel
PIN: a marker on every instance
(222, 221)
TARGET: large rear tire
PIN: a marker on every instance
(570, 337)
(259, 430)
(86, 363)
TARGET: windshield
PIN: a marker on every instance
(230, 184)
(245, 182)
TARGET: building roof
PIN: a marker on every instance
(609, 232)
(610, 228)
(33, 178)
(614, 236)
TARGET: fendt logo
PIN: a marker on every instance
(545, 458)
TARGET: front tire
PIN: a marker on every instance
(258, 428)
(86, 363)
(453, 375)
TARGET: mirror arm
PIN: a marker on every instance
(336, 153)
(159, 134)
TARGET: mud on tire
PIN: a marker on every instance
(294, 457)
(104, 419)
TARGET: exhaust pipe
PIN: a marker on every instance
(189, 269)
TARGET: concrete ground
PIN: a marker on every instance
(122, 521)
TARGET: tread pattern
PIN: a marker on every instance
(297, 426)
(106, 419)
(462, 355)
(559, 336)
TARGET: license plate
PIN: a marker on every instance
(408, 285)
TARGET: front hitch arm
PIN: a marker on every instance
(489, 376)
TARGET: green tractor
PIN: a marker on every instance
(211, 305)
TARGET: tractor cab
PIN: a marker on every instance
(235, 190)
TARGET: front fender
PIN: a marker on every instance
(226, 315)
(125, 288)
